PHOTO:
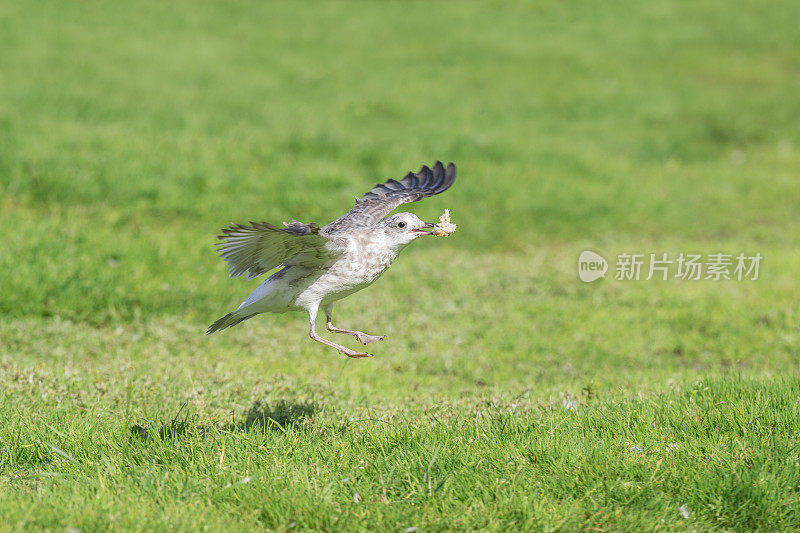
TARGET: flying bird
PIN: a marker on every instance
(319, 266)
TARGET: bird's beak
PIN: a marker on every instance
(427, 229)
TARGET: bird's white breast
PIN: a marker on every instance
(368, 256)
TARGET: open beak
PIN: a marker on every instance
(427, 229)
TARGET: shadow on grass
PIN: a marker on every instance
(263, 416)
(167, 430)
(279, 416)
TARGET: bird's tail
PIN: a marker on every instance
(228, 321)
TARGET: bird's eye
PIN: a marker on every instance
(401, 224)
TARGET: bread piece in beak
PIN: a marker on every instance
(444, 228)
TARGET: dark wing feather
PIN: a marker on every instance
(386, 197)
(260, 247)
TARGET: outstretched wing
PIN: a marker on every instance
(260, 247)
(386, 197)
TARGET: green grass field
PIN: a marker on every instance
(508, 394)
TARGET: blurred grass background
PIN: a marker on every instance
(131, 132)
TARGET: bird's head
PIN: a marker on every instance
(402, 228)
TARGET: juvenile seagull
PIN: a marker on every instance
(321, 266)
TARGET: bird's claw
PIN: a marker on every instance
(365, 339)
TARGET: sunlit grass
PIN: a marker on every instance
(507, 395)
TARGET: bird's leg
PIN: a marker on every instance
(362, 337)
(312, 315)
